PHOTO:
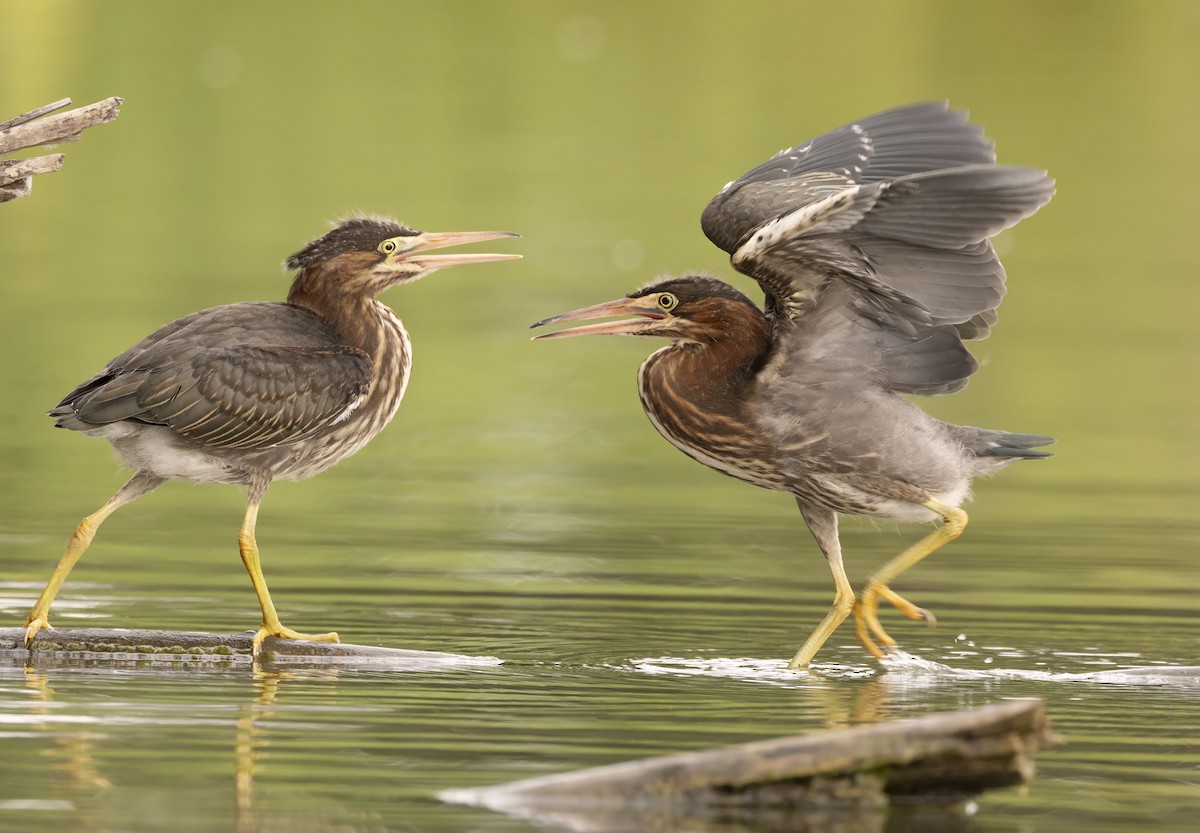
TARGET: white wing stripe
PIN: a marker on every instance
(806, 220)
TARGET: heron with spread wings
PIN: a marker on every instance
(872, 247)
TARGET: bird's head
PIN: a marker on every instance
(366, 255)
(693, 309)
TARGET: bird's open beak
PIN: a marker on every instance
(645, 309)
(428, 240)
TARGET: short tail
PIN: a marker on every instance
(1005, 445)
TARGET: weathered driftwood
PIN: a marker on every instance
(941, 758)
(37, 128)
(120, 644)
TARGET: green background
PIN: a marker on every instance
(519, 505)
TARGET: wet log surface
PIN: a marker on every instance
(941, 759)
(43, 126)
(115, 644)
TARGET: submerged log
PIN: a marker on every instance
(120, 644)
(37, 128)
(943, 758)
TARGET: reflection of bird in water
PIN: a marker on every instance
(871, 246)
(248, 393)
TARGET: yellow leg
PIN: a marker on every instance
(39, 616)
(866, 610)
(843, 603)
(271, 626)
(823, 525)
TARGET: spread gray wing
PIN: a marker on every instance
(895, 143)
(897, 210)
(243, 376)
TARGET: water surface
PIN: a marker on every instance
(520, 506)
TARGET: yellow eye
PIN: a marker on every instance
(387, 247)
(667, 301)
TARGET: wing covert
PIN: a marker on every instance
(247, 379)
(236, 397)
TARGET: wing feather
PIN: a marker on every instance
(245, 376)
(905, 140)
(897, 210)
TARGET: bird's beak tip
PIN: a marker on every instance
(568, 333)
(619, 307)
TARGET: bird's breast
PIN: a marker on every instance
(393, 363)
(365, 418)
(708, 418)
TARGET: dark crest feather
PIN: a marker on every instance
(693, 288)
(356, 234)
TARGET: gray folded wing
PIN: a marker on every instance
(244, 376)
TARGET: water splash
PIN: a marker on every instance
(900, 668)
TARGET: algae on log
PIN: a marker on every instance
(119, 644)
(37, 128)
(941, 758)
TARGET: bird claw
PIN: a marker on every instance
(863, 629)
(866, 618)
(916, 613)
(867, 626)
(278, 631)
(32, 625)
(905, 606)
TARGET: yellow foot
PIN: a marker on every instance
(866, 623)
(34, 624)
(906, 607)
(866, 617)
(280, 632)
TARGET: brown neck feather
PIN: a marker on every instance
(330, 290)
(728, 343)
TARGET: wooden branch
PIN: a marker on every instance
(27, 131)
(16, 190)
(12, 170)
(941, 757)
(34, 114)
(119, 644)
(37, 128)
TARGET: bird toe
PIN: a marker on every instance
(32, 626)
(280, 632)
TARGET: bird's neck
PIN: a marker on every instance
(702, 396)
(355, 317)
(713, 374)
